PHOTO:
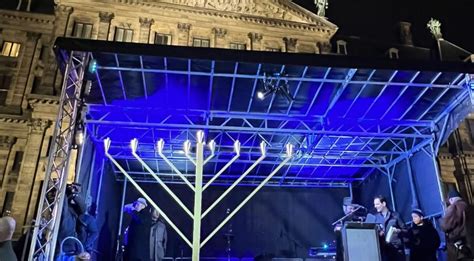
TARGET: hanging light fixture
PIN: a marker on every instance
(271, 85)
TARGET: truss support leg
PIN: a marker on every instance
(414, 196)
(198, 201)
(438, 176)
(119, 234)
(43, 243)
(390, 187)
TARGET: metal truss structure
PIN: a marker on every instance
(43, 244)
(347, 119)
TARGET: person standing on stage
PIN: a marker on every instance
(351, 211)
(139, 221)
(457, 223)
(158, 237)
(421, 238)
(393, 250)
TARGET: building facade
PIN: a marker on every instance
(30, 81)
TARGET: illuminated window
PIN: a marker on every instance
(82, 30)
(11, 49)
(199, 42)
(123, 35)
(238, 46)
(164, 39)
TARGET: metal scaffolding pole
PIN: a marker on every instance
(51, 201)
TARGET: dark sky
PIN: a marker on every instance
(376, 19)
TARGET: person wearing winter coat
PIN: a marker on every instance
(421, 238)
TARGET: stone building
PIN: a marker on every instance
(30, 80)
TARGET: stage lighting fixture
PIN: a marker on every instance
(93, 66)
(79, 135)
(272, 85)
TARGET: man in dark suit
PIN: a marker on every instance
(138, 220)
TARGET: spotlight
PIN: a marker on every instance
(264, 94)
(79, 135)
(93, 66)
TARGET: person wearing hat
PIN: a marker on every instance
(138, 222)
(421, 238)
(350, 210)
(455, 225)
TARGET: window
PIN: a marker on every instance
(17, 162)
(123, 35)
(82, 30)
(5, 81)
(11, 49)
(36, 85)
(7, 203)
(164, 39)
(393, 53)
(238, 46)
(269, 49)
(341, 47)
(43, 51)
(198, 42)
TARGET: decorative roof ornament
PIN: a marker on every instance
(322, 5)
(435, 28)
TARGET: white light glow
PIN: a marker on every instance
(106, 145)
(237, 147)
(289, 150)
(134, 145)
(263, 147)
(200, 136)
(160, 145)
(187, 147)
(212, 146)
(260, 95)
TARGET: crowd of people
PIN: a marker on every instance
(421, 238)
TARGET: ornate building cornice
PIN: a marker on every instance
(290, 42)
(316, 26)
(35, 100)
(5, 119)
(26, 17)
(63, 9)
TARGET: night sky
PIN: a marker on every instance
(376, 19)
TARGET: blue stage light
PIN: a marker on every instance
(325, 246)
(93, 66)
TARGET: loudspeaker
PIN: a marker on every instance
(361, 241)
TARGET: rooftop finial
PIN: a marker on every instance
(435, 28)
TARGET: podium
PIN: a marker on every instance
(361, 241)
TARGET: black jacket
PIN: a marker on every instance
(138, 237)
(422, 240)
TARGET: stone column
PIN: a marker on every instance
(104, 25)
(145, 24)
(290, 44)
(28, 184)
(255, 41)
(219, 37)
(183, 34)
(24, 68)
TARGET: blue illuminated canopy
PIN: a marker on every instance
(349, 117)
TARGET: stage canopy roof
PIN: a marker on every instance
(347, 117)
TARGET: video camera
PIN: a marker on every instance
(73, 189)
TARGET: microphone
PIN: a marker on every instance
(359, 206)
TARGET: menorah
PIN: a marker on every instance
(198, 187)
